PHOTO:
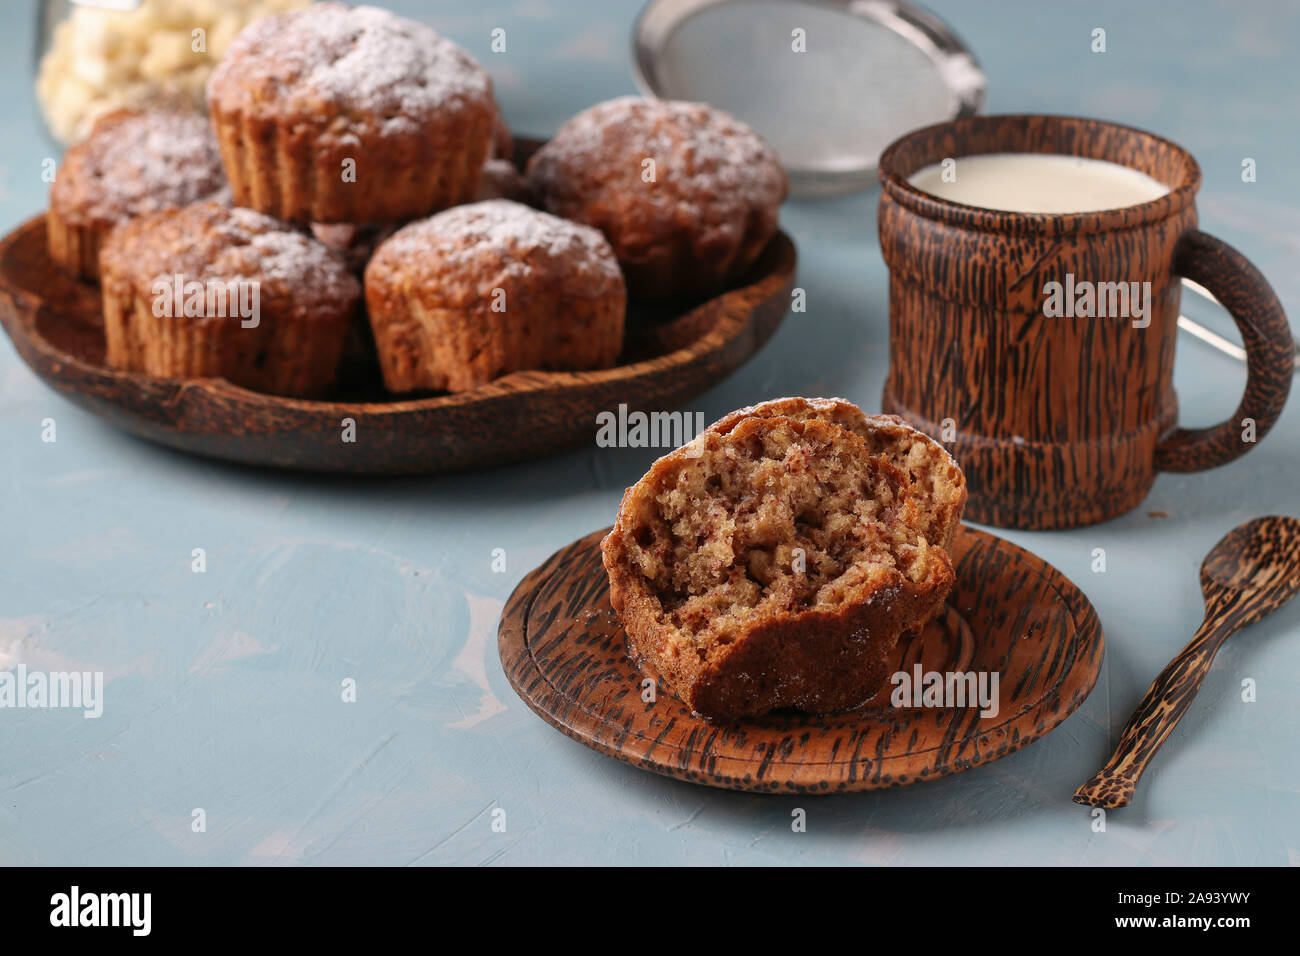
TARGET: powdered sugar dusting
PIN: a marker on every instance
(209, 241)
(135, 163)
(291, 263)
(704, 154)
(519, 234)
(331, 58)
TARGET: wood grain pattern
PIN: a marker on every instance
(1270, 353)
(1252, 572)
(672, 353)
(564, 652)
(1060, 421)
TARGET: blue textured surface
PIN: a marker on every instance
(223, 688)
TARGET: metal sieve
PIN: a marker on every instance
(829, 83)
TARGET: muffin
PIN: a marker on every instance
(217, 291)
(350, 114)
(131, 163)
(772, 565)
(936, 479)
(686, 195)
(476, 292)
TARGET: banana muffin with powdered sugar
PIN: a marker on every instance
(686, 194)
(350, 114)
(131, 163)
(482, 290)
(217, 291)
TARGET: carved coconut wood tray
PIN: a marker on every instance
(564, 652)
(672, 354)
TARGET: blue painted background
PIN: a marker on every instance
(223, 688)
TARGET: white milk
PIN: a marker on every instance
(1038, 183)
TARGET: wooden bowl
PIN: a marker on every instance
(564, 652)
(672, 354)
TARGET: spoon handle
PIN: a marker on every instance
(1164, 704)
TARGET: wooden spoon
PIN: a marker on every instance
(1253, 571)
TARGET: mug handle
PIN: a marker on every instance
(1270, 353)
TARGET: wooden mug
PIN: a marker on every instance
(1059, 421)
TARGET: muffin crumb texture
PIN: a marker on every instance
(937, 480)
(774, 564)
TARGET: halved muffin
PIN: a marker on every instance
(773, 564)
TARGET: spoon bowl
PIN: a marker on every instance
(1260, 557)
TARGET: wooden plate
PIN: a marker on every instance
(672, 354)
(564, 653)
